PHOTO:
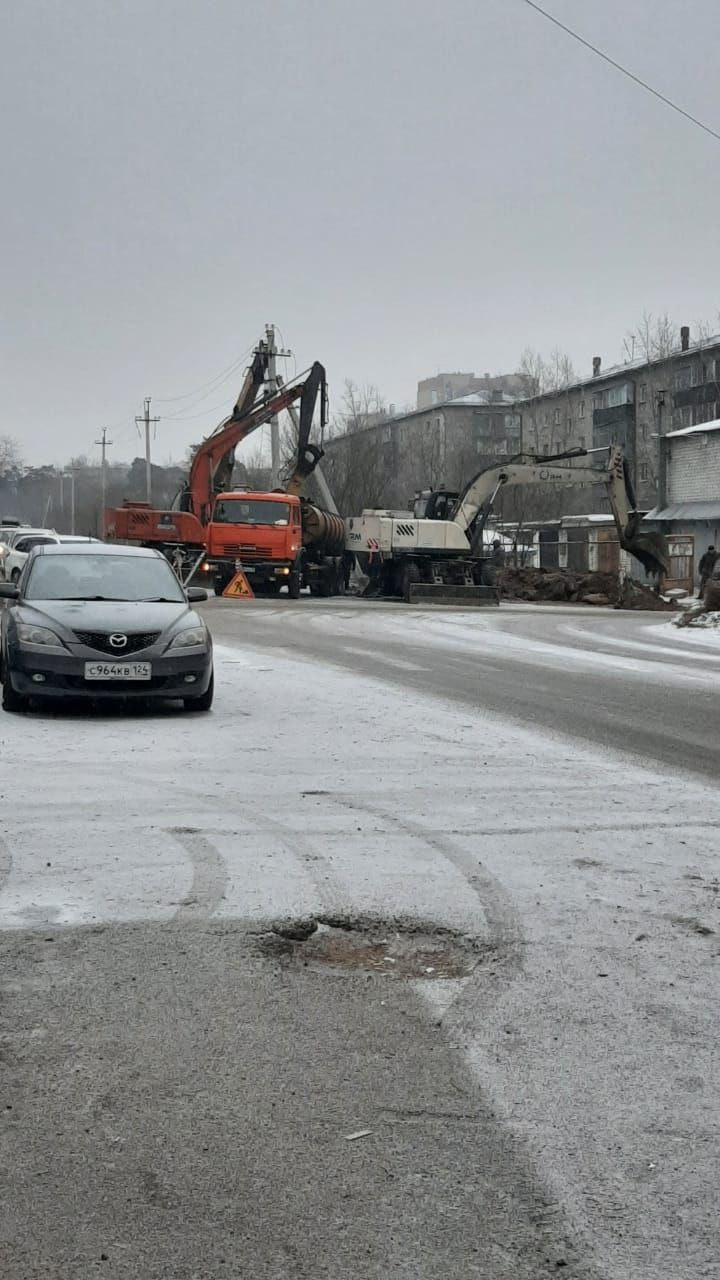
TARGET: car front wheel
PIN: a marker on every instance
(205, 700)
(12, 701)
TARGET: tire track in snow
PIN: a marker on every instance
(210, 875)
(501, 921)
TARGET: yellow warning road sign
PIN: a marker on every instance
(239, 587)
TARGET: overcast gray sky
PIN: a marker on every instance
(402, 186)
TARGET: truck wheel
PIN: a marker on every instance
(294, 584)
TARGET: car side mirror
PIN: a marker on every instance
(196, 595)
(8, 591)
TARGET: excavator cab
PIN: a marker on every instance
(434, 504)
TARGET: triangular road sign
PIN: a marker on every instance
(239, 587)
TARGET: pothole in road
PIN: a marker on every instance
(396, 948)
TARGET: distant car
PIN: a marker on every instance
(11, 534)
(17, 554)
(102, 621)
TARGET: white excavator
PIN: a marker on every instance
(435, 551)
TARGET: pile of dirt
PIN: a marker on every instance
(705, 614)
(564, 585)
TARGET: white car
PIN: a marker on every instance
(11, 535)
(14, 560)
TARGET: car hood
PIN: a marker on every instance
(106, 615)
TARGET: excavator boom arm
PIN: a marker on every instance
(208, 468)
(476, 501)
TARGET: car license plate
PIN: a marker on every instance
(118, 671)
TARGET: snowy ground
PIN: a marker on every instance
(596, 881)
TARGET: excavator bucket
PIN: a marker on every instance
(451, 593)
(649, 547)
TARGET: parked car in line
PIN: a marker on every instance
(17, 554)
(10, 536)
(102, 621)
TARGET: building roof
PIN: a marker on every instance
(700, 429)
(686, 511)
(477, 397)
(629, 367)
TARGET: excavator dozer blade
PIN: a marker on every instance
(452, 594)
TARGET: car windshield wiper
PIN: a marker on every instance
(158, 600)
(110, 599)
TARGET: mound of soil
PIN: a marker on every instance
(564, 585)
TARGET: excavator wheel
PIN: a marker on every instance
(409, 574)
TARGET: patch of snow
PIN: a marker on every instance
(707, 621)
(307, 789)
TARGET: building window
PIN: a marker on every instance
(582, 408)
(597, 402)
(386, 435)
(643, 392)
(556, 418)
(644, 471)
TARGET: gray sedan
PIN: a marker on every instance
(103, 621)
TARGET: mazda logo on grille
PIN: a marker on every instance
(118, 641)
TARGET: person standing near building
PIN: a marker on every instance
(706, 568)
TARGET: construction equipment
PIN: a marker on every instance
(436, 553)
(277, 538)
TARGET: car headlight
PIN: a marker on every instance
(28, 634)
(190, 638)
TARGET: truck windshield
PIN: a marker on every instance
(251, 511)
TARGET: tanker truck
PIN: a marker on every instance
(279, 539)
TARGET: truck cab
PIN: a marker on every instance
(262, 532)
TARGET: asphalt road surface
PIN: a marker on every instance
(495, 1057)
(593, 674)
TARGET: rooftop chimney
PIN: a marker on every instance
(685, 337)
(597, 361)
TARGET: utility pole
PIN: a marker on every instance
(274, 422)
(104, 446)
(146, 420)
(71, 477)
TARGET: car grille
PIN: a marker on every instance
(100, 640)
(245, 552)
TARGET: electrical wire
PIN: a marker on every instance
(624, 70)
(189, 417)
(207, 387)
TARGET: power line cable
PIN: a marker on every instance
(624, 70)
(187, 417)
(207, 387)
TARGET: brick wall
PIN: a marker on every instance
(693, 468)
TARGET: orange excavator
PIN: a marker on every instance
(276, 537)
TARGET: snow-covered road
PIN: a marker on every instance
(593, 876)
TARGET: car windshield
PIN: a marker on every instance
(251, 511)
(102, 577)
(27, 544)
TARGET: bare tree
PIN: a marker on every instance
(651, 339)
(542, 375)
(11, 461)
(362, 406)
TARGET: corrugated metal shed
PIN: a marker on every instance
(686, 511)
